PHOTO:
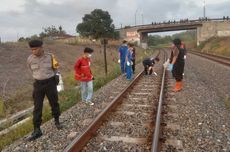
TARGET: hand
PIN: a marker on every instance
(184, 56)
(82, 75)
(128, 63)
(119, 61)
(166, 64)
(170, 67)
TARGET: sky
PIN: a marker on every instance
(23, 18)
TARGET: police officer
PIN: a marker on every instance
(43, 67)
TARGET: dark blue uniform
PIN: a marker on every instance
(147, 62)
(123, 50)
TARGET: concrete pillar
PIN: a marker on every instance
(198, 35)
(206, 31)
(144, 40)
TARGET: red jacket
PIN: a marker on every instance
(82, 69)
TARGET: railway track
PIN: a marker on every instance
(220, 59)
(131, 122)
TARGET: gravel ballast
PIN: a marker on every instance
(203, 116)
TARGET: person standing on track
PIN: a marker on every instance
(44, 68)
(177, 62)
(128, 63)
(123, 50)
(185, 50)
(133, 56)
(83, 73)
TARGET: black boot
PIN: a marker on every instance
(57, 123)
(36, 134)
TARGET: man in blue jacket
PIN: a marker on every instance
(123, 50)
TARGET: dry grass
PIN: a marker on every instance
(2, 108)
(217, 45)
(227, 103)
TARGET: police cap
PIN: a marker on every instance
(35, 43)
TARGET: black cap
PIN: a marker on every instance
(35, 43)
(124, 41)
(177, 41)
(88, 50)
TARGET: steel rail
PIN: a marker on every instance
(216, 58)
(156, 135)
(78, 143)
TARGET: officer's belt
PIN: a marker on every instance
(44, 81)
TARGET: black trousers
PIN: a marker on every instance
(147, 69)
(178, 70)
(41, 88)
(134, 64)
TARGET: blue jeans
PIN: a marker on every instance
(129, 72)
(122, 64)
(87, 91)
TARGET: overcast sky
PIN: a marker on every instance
(27, 17)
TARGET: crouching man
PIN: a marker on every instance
(148, 64)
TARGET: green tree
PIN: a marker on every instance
(97, 25)
(186, 36)
(35, 36)
(21, 39)
(154, 40)
(52, 31)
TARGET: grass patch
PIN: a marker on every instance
(226, 52)
(159, 46)
(202, 44)
(12, 104)
(2, 108)
(15, 134)
(227, 103)
(216, 46)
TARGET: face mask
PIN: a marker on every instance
(89, 55)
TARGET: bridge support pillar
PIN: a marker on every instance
(144, 40)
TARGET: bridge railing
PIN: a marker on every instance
(200, 20)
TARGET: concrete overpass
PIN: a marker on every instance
(205, 29)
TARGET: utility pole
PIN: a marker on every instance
(104, 42)
(136, 17)
(142, 17)
(204, 9)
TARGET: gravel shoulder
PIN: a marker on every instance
(204, 118)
